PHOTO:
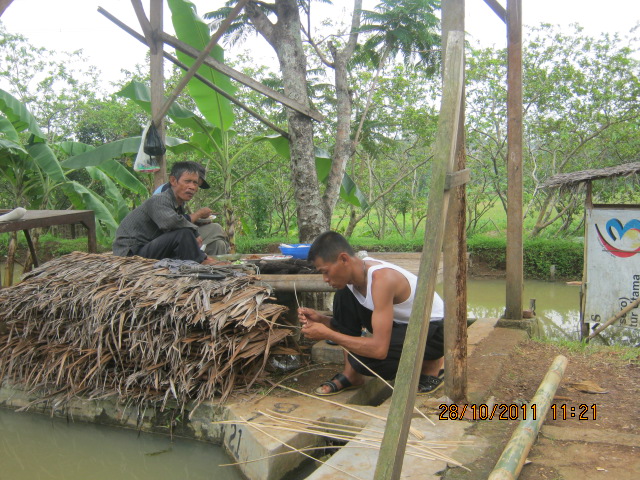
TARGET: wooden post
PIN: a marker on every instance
(515, 453)
(455, 248)
(11, 258)
(157, 82)
(497, 9)
(514, 276)
(393, 445)
(588, 206)
(3, 5)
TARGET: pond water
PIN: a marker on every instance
(17, 273)
(34, 447)
(557, 309)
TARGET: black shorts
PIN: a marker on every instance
(350, 317)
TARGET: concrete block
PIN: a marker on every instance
(361, 462)
(322, 352)
(245, 443)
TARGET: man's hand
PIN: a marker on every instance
(201, 213)
(306, 315)
(316, 330)
(199, 240)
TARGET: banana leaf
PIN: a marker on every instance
(8, 131)
(118, 203)
(74, 148)
(44, 157)
(10, 147)
(123, 177)
(21, 119)
(141, 95)
(114, 169)
(191, 29)
(109, 151)
(349, 191)
(84, 199)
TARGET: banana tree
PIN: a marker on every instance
(31, 169)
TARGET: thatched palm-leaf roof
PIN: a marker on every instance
(569, 180)
(100, 325)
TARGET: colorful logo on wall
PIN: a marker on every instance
(621, 241)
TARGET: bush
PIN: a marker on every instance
(538, 256)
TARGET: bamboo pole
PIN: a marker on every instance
(244, 79)
(497, 9)
(147, 30)
(515, 453)
(621, 313)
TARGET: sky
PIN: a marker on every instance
(69, 25)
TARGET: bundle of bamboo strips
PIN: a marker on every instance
(358, 437)
(101, 325)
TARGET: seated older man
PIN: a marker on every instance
(160, 227)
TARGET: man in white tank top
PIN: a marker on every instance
(375, 295)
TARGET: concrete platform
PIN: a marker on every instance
(260, 447)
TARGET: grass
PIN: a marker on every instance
(50, 246)
(625, 354)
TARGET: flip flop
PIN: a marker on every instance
(334, 389)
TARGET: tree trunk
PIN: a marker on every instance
(11, 259)
(343, 146)
(284, 37)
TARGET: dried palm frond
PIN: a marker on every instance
(100, 325)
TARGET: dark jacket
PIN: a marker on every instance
(157, 215)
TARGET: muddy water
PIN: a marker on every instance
(557, 309)
(34, 447)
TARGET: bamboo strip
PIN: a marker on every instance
(416, 433)
(416, 409)
(303, 453)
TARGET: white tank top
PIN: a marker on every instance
(401, 311)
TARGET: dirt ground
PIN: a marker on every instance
(591, 436)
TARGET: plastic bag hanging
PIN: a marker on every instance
(153, 143)
(144, 162)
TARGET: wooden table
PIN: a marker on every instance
(47, 218)
(314, 282)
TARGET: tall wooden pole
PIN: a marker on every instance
(514, 291)
(455, 246)
(157, 81)
(393, 445)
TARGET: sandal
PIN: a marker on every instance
(429, 384)
(334, 389)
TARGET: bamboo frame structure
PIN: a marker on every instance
(391, 456)
(208, 83)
